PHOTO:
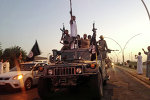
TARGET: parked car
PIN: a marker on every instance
(25, 78)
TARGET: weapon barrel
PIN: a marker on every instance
(114, 50)
(70, 8)
(94, 29)
(61, 29)
(93, 25)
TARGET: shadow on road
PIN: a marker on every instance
(82, 94)
(8, 91)
(108, 91)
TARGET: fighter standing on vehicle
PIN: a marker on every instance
(65, 39)
(103, 47)
(75, 69)
(73, 28)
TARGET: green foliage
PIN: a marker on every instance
(1, 51)
(14, 53)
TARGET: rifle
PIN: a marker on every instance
(93, 40)
(63, 32)
(94, 29)
(109, 50)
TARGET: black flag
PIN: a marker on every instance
(34, 52)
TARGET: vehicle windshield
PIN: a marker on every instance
(24, 67)
(74, 55)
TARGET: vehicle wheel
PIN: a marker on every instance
(105, 82)
(74, 90)
(45, 88)
(28, 84)
(97, 86)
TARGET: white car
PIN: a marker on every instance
(25, 78)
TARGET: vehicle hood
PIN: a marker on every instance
(14, 73)
(80, 63)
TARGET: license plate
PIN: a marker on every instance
(2, 83)
(63, 80)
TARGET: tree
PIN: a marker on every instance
(14, 54)
(1, 51)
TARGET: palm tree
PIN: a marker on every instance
(1, 51)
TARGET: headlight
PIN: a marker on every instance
(93, 66)
(18, 77)
(78, 70)
(41, 69)
(50, 71)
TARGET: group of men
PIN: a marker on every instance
(73, 40)
(69, 40)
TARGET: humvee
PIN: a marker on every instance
(71, 68)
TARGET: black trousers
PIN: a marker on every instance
(93, 56)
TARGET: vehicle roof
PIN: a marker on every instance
(32, 63)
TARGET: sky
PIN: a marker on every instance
(22, 22)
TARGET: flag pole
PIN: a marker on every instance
(70, 8)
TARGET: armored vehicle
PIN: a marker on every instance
(71, 68)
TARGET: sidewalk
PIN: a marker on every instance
(134, 73)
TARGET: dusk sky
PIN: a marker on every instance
(24, 21)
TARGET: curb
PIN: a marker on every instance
(133, 73)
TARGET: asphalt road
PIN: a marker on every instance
(121, 86)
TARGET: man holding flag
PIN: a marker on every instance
(34, 52)
(73, 27)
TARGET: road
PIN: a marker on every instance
(121, 86)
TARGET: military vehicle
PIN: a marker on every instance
(72, 68)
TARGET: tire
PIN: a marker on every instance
(97, 87)
(73, 90)
(105, 82)
(45, 90)
(28, 84)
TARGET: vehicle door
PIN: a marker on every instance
(35, 72)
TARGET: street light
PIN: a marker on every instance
(116, 56)
(117, 43)
(119, 46)
(146, 9)
(122, 50)
(127, 43)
